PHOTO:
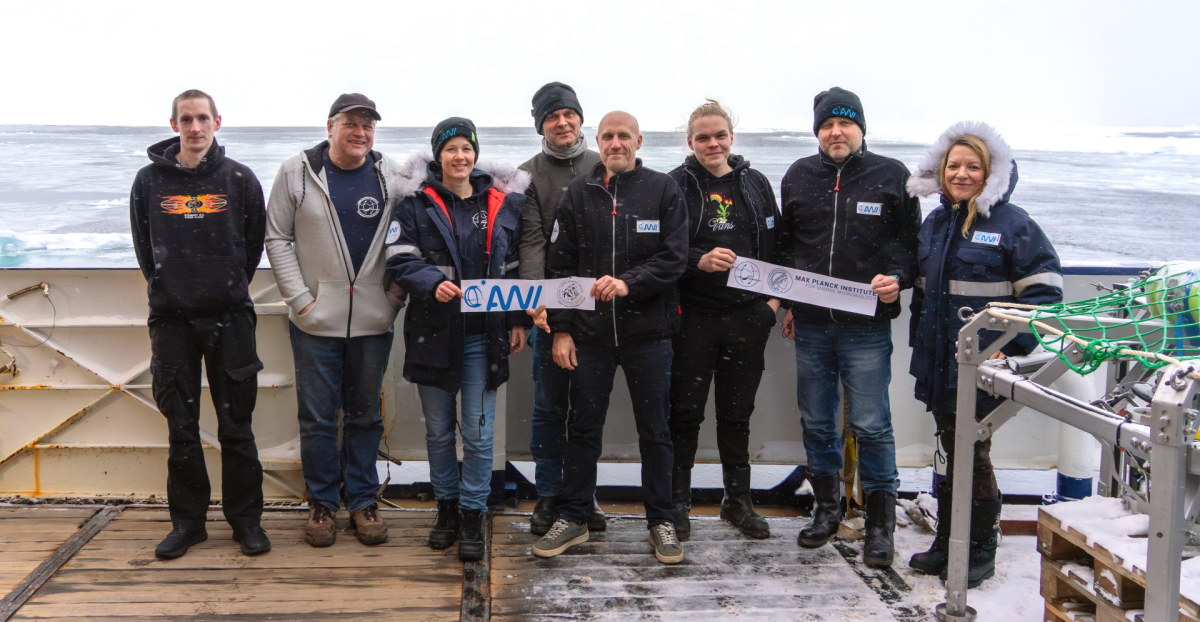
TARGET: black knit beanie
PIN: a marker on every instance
(450, 128)
(838, 102)
(551, 97)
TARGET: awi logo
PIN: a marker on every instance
(474, 296)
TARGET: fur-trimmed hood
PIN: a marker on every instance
(414, 171)
(1002, 177)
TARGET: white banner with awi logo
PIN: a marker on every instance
(483, 295)
(814, 289)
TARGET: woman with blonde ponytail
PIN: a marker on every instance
(974, 248)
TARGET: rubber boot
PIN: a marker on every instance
(737, 507)
(935, 559)
(470, 535)
(879, 547)
(445, 531)
(681, 502)
(544, 515)
(827, 513)
(985, 535)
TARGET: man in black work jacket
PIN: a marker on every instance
(198, 225)
(846, 214)
(625, 226)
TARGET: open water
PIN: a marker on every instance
(1104, 195)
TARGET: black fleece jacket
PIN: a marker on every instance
(198, 233)
(634, 228)
(849, 221)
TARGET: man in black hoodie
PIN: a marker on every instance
(625, 226)
(198, 222)
(846, 214)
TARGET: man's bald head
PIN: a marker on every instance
(618, 139)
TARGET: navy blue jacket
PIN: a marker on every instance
(1004, 257)
(422, 252)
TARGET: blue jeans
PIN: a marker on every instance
(647, 365)
(478, 414)
(333, 373)
(548, 436)
(829, 356)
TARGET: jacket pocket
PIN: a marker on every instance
(982, 261)
(427, 346)
(373, 310)
(201, 284)
(331, 309)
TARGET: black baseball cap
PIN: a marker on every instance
(350, 101)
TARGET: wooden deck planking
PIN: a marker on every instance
(30, 535)
(614, 576)
(116, 576)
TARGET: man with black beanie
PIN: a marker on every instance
(846, 214)
(198, 226)
(558, 117)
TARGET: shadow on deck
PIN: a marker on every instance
(91, 564)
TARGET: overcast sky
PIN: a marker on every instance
(914, 63)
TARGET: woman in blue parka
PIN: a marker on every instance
(973, 249)
(457, 221)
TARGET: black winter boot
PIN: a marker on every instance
(445, 531)
(544, 515)
(737, 507)
(985, 535)
(827, 513)
(934, 560)
(470, 535)
(879, 547)
(681, 502)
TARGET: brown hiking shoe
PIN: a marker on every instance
(367, 525)
(320, 530)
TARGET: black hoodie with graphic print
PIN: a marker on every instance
(198, 233)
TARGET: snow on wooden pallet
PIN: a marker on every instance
(1093, 566)
(614, 576)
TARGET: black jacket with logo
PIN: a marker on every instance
(634, 228)
(708, 290)
(198, 233)
(851, 222)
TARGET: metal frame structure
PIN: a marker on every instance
(1162, 432)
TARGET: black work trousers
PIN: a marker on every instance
(983, 487)
(729, 345)
(226, 343)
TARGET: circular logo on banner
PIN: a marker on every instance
(570, 294)
(472, 297)
(368, 207)
(779, 281)
(747, 275)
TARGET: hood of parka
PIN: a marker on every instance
(164, 154)
(736, 162)
(1002, 175)
(414, 172)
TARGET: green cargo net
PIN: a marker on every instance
(1162, 309)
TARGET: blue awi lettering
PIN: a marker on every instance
(496, 298)
(844, 112)
(448, 133)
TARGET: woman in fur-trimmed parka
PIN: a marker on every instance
(975, 248)
(458, 220)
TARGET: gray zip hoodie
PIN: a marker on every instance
(311, 261)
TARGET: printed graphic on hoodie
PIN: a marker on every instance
(193, 206)
(721, 205)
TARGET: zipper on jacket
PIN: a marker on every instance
(833, 235)
(613, 194)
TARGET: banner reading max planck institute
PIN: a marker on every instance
(801, 286)
(521, 295)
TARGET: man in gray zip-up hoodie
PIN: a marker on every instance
(327, 221)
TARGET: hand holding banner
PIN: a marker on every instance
(485, 295)
(807, 287)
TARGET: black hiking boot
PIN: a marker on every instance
(681, 502)
(934, 560)
(445, 531)
(879, 547)
(253, 539)
(985, 535)
(737, 507)
(177, 543)
(544, 515)
(827, 512)
(470, 535)
(597, 521)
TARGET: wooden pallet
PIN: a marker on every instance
(1083, 583)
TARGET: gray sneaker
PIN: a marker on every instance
(563, 535)
(667, 548)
